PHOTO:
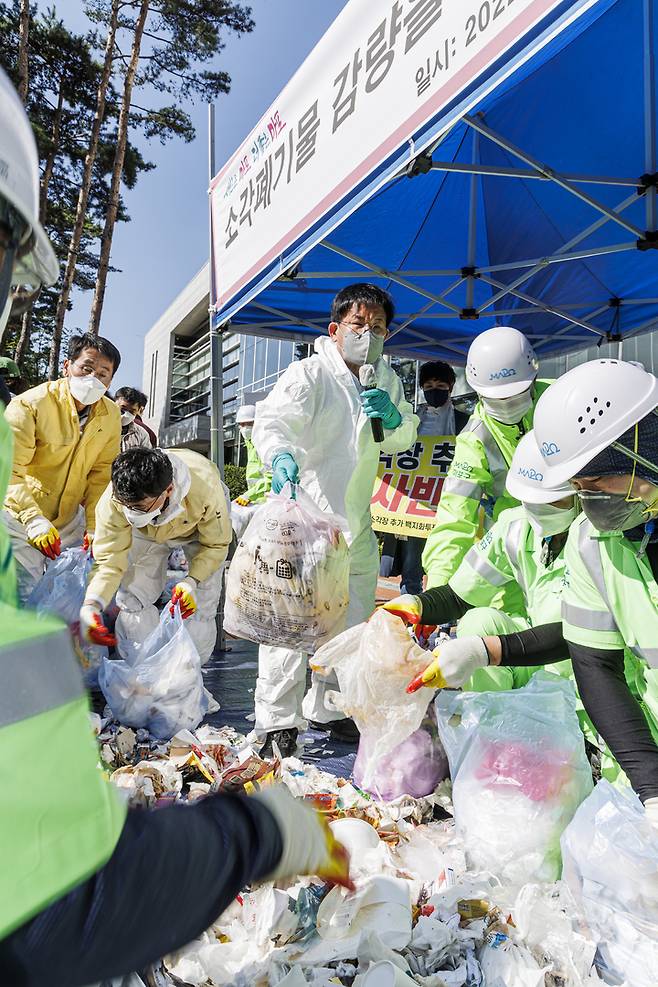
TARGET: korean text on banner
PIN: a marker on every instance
(382, 72)
(408, 486)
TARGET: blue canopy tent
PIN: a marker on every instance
(535, 207)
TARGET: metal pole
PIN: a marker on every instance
(216, 368)
(216, 371)
(649, 112)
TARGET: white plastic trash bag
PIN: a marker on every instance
(374, 663)
(160, 686)
(61, 591)
(610, 854)
(519, 772)
(287, 582)
(241, 515)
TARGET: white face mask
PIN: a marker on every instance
(139, 520)
(509, 411)
(88, 389)
(127, 418)
(366, 348)
(245, 431)
(548, 520)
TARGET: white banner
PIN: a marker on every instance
(382, 70)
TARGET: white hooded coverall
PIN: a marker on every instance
(314, 412)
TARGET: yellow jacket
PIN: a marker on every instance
(56, 468)
(205, 517)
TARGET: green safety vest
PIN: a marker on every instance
(259, 480)
(60, 818)
(477, 474)
(510, 553)
(8, 581)
(610, 601)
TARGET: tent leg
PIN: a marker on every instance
(649, 113)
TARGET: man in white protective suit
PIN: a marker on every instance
(315, 429)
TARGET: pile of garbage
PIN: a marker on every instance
(418, 916)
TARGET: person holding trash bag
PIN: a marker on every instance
(157, 501)
(525, 546)
(501, 367)
(316, 428)
(66, 434)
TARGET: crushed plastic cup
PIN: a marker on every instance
(386, 974)
(381, 905)
(356, 835)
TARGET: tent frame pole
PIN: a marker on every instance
(553, 175)
(499, 171)
(649, 114)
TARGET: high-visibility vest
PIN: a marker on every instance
(60, 818)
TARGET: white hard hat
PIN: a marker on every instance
(526, 479)
(500, 363)
(19, 186)
(586, 410)
(247, 413)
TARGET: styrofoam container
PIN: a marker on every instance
(356, 835)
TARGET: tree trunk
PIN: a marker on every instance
(24, 338)
(81, 209)
(52, 153)
(23, 48)
(117, 171)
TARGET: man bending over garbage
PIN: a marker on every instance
(314, 428)
(66, 434)
(157, 501)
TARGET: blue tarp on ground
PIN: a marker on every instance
(583, 105)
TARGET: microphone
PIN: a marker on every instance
(368, 378)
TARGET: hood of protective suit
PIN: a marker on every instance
(182, 481)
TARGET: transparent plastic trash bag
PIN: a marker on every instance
(61, 591)
(287, 583)
(241, 515)
(610, 853)
(374, 663)
(415, 767)
(160, 686)
(519, 772)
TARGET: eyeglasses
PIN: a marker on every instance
(140, 510)
(88, 368)
(358, 328)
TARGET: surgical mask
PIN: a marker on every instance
(509, 411)
(139, 520)
(245, 431)
(436, 397)
(548, 520)
(87, 389)
(366, 348)
(127, 418)
(613, 512)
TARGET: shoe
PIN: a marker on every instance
(286, 741)
(344, 729)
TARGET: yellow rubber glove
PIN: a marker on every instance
(242, 502)
(410, 609)
(455, 660)
(309, 846)
(44, 536)
(183, 593)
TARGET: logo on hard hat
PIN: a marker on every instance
(549, 449)
(531, 474)
(502, 374)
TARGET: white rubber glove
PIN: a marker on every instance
(309, 846)
(651, 812)
(455, 660)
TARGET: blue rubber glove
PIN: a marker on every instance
(284, 470)
(377, 404)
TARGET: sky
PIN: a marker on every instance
(166, 242)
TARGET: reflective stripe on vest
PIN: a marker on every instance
(483, 567)
(36, 675)
(497, 465)
(589, 620)
(463, 488)
(590, 553)
(512, 548)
